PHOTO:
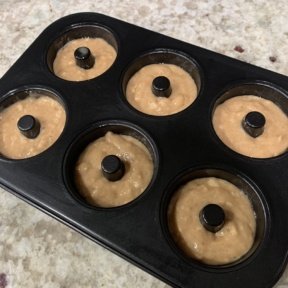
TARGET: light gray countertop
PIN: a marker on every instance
(38, 251)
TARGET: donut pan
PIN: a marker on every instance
(183, 146)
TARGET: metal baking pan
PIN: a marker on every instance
(183, 146)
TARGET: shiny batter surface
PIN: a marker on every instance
(227, 121)
(141, 97)
(99, 191)
(228, 244)
(65, 66)
(50, 114)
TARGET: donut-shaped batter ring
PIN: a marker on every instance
(99, 191)
(227, 245)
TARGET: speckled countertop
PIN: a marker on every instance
(37, 251)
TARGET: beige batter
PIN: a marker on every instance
(96, 188)
(49, 113)
(227, 120)
(65, 66)
(228, 244)
(141, 97)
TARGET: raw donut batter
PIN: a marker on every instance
(49, 113)
(99, 191)
(227, 121)
(65, 66)
(140, 95)
(228, 244)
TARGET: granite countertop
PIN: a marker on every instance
(38, 251)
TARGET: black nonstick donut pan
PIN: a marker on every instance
(183, 146)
